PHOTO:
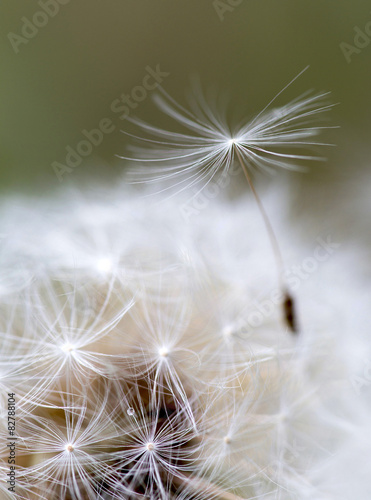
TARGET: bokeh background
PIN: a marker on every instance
(65, 78)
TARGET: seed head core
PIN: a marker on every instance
(163, 352)
(150, 446)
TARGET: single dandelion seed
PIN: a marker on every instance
(211, 149)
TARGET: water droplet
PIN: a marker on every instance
(130, 411)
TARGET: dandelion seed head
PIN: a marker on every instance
(164, 405)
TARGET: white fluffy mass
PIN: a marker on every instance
(145, 345)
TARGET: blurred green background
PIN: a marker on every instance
(64, 79)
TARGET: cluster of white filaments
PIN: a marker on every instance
(128, 339)
(152, 383)
(209, 147)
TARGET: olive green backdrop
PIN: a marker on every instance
(64, 78)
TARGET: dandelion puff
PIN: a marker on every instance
(158, 342)
(157, 441)
(172, 400)
(65, 448)
(66, 343)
